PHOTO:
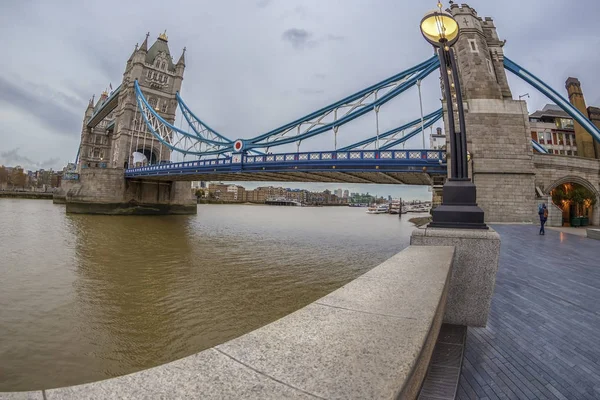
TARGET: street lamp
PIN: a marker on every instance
(459, 206)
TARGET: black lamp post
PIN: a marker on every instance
(459, 206)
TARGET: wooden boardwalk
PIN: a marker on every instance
(542, 340)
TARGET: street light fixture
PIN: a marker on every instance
(459, 207)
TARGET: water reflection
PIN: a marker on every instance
(90, 297)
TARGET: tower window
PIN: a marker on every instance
(162, 66)
(166, 79)
(490, 67)
(154, 75)
(149, 74)
(152, 102)
(473, 46)
(164, 106)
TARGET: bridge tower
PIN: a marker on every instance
(107, 146)
(160, 79)
(498, 134)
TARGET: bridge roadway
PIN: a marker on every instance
(541, 340)
(411, 167)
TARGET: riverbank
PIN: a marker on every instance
(207, 201)
(26, 195)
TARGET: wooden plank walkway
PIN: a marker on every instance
(542, 340)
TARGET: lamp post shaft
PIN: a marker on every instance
(443, 55)
(462, 135)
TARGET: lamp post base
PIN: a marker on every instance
(459, 209)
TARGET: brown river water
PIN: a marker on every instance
(85, 297)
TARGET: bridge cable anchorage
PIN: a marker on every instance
(553, 95)
(349, 108)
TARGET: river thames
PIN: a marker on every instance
(86, 297)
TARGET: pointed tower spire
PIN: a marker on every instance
(182, 58)
(144, 46)
(132, 54)
(91, 102)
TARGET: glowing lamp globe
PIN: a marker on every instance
(439, 28)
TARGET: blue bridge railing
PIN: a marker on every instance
(358, 161)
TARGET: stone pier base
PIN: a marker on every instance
(106, 191)
(474, 272)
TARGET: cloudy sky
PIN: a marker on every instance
(253, 65)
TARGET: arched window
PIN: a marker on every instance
(157, 64)
(154, 75)
(149, 74)
(164, 106)
(152, 102)
(163, 65)
(166, 79)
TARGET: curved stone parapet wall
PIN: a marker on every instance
(370, 339)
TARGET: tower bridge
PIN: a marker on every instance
(512, 172)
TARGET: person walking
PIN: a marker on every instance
(543, 213)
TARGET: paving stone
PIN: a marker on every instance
(541, 340)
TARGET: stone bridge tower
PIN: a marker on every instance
(107, 148)
(160, 79)
(498, 134)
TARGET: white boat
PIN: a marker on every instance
(395, 207)
(380, 209)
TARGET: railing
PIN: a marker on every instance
(343, 157)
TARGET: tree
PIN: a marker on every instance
(3, 175)
(575, 194)
(18, 178)
(200, 193)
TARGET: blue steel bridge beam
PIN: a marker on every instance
(351, 116)
(348, 99)
(554, 96)
(436, 115)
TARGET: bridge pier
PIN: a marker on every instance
(106, 191)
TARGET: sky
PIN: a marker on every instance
(253, 65)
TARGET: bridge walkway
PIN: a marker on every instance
(542, 339)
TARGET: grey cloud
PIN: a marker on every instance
(263, 3)
(13, 158)
(51, 108)
(320, 76)
(299, 38)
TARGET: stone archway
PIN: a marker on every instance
(595, 217)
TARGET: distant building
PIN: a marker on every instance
(339, 193)
(437, 141)
(346, 194)
(554, 129)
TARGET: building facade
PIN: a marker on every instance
(437, 140)
(554, 129)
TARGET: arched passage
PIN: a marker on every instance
(577, 198)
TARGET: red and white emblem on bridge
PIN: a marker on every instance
(238, 145)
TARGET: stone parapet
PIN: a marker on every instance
(474, 273)
(370, 339)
